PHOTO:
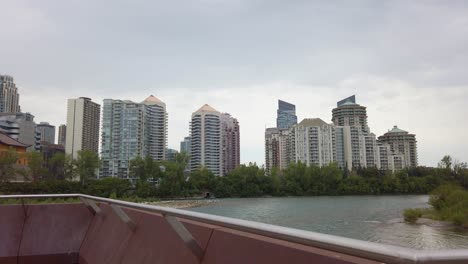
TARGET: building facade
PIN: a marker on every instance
(185, 145)
(47, 132)
(9, 97)
(272, 155)
(286, 115)
(314, 142)
(83, 119)
(206, 147)
(350, 119)
(48, 151)
(21, 127)
(349, 113)
(131, 130)
(230, 140)
(171, 154)
(62, 135)
(403, 145)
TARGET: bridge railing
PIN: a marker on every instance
(363, 249)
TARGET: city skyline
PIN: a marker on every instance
(401, 71)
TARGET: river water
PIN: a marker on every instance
(371, 218)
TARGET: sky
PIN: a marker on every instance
(406, 61)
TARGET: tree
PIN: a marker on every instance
(8, 161)
(446, 162)
(61, 167)
(138, 169)
(87, 164)
(35, 164)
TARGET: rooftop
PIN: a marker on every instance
(312, 122)
(9, 141)
(207, 108)
(395, 129)
(153, 100)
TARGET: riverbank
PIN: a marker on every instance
(181, 204)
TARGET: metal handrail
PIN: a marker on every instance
(364, 249)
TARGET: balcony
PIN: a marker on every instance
(100, 230)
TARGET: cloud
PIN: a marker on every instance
(405, 61)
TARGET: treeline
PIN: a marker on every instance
(171, 179)
(59, 167)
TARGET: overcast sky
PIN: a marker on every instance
(407, 61)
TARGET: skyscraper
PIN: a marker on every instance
(230, 135)
(349, 113)
(401, 143)
(47, 132)
(354, 132)
(9, 97)
(286, 115)
(205, 132)
(131, 130)
(83, 118)
(62, 135)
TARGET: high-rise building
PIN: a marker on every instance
(272, 159)
(352, 117)
(131, 130)
(62, 135)
(83, 118)
(21, 126)
(286, 115)
(349, 113)
(403, 145)
(314, 142)
(230, 135)
(185, 145)
(9, 97)
(343, 147)
(205, 132)
(47, 132)
(171, 154)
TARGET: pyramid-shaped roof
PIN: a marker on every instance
(207, 108)
(151, 100)
(395, 129)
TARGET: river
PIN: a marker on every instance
(371, 218)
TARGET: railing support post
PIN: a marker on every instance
(185, 235)
(124, 217)
(92, 206)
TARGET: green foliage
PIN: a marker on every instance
(87, 165)
(451, 203)
(412, 215)
(35, 163)
(107, 187)
(8, 160)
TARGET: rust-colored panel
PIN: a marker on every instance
(9, 260)
(154, 241)
(107, 237)
(200, 231)
(52, 258)
(230, 246)
(53, 231)
(11, 225)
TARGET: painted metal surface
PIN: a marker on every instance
(296, 241)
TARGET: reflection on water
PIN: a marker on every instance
(372, 218)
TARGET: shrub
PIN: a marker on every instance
(412, 215)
